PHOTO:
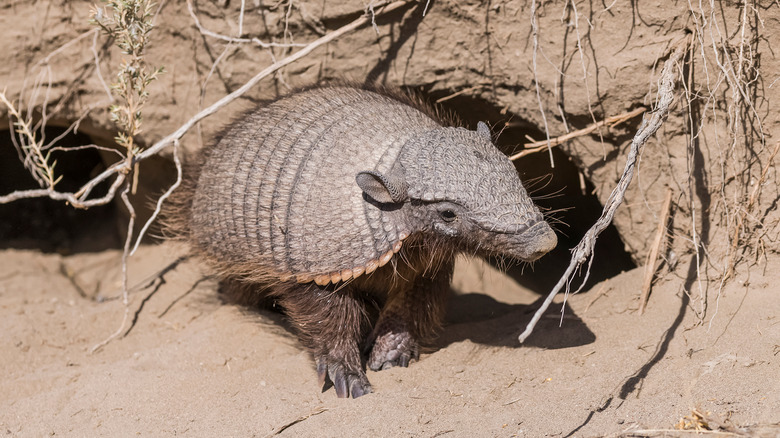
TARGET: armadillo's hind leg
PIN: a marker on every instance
(411, 315)
(330, 322)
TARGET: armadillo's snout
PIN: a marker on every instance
(537, 241)
(524, 242)
(533, 242)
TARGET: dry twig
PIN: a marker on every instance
(458, 93)
(203, 30)
(584, 250)
(286, 426)
(538, 146)
(603, 290)
(580, 49)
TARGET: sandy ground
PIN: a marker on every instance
(188, 364)
(193, 366)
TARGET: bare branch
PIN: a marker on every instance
(125, 254)
(70, 198)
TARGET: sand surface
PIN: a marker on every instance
(188, 364)
(191, 365)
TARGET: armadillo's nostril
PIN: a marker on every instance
(541, 240)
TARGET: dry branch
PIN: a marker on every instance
(162, 198)
(125, 255)
(654, 250)
(538, 146)
(584, 250)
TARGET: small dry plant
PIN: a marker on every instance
(129, 24)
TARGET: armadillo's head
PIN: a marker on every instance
(456, 184)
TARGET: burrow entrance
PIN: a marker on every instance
(53, 226)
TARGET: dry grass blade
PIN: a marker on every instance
(584, 250)
(654, 251)
(458, 93)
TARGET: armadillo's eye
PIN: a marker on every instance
(448, 215)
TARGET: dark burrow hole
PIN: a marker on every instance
(554, 190)
(54, 226)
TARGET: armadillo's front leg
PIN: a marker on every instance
(331, 324)
(410, 316)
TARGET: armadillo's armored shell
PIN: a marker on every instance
(278, 191)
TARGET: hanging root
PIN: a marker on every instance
(584, 250)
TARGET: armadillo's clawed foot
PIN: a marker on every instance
(345, 380)
(392, 350)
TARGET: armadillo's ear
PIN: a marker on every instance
(484, 131)
(386, 189)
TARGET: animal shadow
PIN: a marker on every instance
(484, 320)
(473, 316)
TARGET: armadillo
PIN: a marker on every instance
(333, 199)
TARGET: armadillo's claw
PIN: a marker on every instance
(360, 387)
(322, 372)
(344, 379)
